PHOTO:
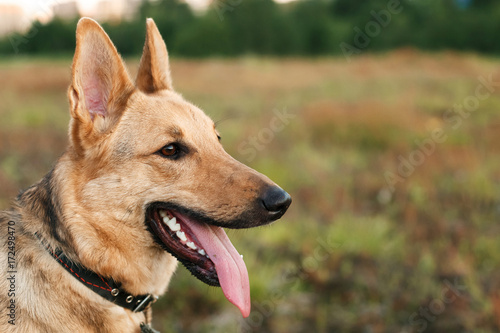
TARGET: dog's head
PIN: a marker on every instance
(153, 161)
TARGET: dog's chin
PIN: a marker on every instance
(167, 223)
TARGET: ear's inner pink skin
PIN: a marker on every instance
(95, 101)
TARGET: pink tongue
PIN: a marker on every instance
(231, 269)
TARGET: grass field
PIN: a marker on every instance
(392, 162)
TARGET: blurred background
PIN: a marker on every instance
(380, 117)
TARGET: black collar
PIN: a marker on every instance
(107, 288)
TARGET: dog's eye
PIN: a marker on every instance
(170, 150)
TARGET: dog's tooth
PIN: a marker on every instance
(191, 245)
(166, 220)
(173, 225)
(181, 235)
(163, 214)
(202, 252)
(241, 256)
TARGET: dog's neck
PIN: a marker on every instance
(106, 288)
(40, 203)
(50, 206)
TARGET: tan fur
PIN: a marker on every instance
(100, 188)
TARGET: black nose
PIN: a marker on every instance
(276, 201)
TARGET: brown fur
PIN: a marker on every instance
(92, 204)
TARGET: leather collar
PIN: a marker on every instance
(106, 288)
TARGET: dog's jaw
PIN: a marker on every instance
(206, 251)
(179, 240)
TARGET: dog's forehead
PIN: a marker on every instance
(167, 107)
(166, 116)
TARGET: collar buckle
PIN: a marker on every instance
(145, 303)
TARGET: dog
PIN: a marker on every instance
(143, 184)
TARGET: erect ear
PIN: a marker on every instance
(100, 84)
(154, 70)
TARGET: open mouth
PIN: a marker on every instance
(204, 249)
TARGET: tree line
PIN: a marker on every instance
(300, 28)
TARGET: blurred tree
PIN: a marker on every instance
(57, 36)
(305, 27)
(207, 36)
(258, 26)
(315, 26)
(127, 37)
(483, 3)
(356, 8)
(171, 17)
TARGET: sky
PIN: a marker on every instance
(39, 8)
